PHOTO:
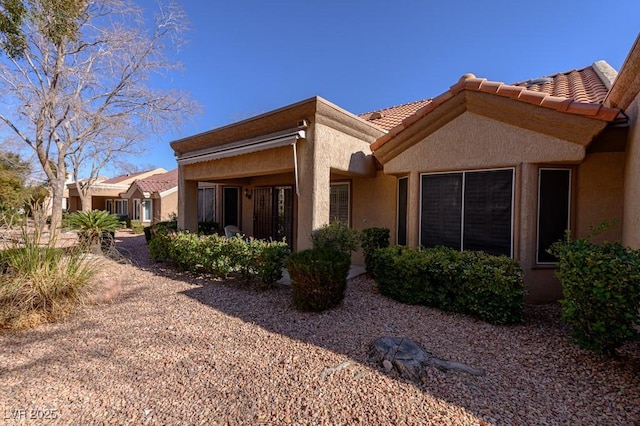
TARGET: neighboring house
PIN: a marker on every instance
(504, 168)
(154, 198)
(104, 193)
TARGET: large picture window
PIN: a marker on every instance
(554, 210)
(471, 210)
(339, 203)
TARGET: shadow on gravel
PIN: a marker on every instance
(519, 360)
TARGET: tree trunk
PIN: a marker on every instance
(57, 192)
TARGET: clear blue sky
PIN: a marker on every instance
(247, 57)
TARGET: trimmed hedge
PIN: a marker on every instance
(601, 292)
(372, 239)
(164, 227)
(220, 256)
(336, 236)
(318, 278)
(475, 283)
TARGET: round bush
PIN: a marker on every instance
(318, 278)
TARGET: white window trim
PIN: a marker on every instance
(348, 185)
(108, 205)
(124, 206)
(538, 209)
(142, 216)
(464, 172)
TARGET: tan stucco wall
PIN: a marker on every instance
(168, 205)
(471, 141)
(631, 225)
(600, 195)
(373, 204)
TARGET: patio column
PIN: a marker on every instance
(187, 203)
(413, 207)
(313, 204)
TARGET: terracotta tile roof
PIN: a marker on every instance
(390, 117)
(578, 92)
(124, 177)
(582, 85)
(158, 183)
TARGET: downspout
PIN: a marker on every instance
(295, 167)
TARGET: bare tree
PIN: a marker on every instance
(81, 99)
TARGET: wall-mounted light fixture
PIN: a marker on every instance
(247, 193)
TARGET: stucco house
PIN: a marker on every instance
(504, 168)
(104, 192)
(153, 198)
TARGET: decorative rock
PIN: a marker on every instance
(410, 360)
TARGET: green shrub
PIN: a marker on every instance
(336, 236)
(475, 283)
(372, 239)
(492, 288)
(137, 227)
(601, 292)
(152, 230)
(213, 254)
(160, 245)
(318, 278)
(96, 228)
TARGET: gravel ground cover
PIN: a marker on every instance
(175, 348)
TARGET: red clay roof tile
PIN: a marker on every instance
(158, 183)
(578, 92)
(562, 90)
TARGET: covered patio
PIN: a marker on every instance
(284, 173)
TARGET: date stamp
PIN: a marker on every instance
(33, 413)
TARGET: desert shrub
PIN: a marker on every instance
(318, 278)
(137, 227)
(372, 239)
(475, 283)
(96, 228)
(40, 284)
(336, 236)
(601, 292)
(166, 226)
(492, 288)
(160, 245)
(259, 259)
(219, 256)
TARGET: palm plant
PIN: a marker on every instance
(96, 228)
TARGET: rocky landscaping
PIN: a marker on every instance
(162, 347)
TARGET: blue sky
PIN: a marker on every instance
(248, 57)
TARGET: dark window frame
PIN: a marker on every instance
(463, 173)
(570, 209)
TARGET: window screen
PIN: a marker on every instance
(487, 211)
(468, 211)
(339, 203)
(441, 210)
(554, 190)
